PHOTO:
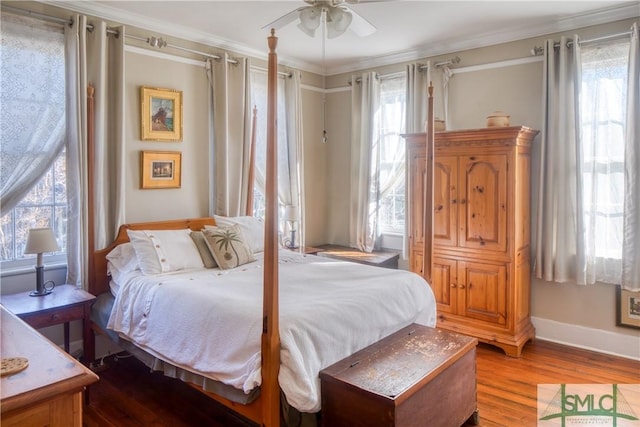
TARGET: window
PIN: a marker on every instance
(259, 100)
(603, 109)
(390, 124)
(32, 133)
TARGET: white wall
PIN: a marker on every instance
(191, 200)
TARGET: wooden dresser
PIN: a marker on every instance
(50, 390)
(481, 268)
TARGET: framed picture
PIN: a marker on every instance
(627, 308)
(160, 169)
(161, 114)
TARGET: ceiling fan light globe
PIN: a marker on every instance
(310, 33)
(310, 20)
(338, 20)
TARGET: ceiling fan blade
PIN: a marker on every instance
(285, 19)
(360, 25)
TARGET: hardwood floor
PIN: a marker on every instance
(129, 395)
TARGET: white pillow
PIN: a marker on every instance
(123, 258)
(163, 251)
(252, 229)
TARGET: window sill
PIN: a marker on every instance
(26, 269)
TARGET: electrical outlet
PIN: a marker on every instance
(97, 367)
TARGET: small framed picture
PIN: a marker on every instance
(161, 114)
(160, 169)
(627, 308)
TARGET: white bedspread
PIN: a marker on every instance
(210, 321)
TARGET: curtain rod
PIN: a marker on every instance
(152, 41)
(264, 70)
(159, 42)
(539, 50)
(454, 60)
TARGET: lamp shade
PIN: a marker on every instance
(41, 240)
(291, 213)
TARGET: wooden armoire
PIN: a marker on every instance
(481, 251)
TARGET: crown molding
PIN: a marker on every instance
(145, 23)
(520, 32)
(448, 46)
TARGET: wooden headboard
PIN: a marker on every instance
(99, 281)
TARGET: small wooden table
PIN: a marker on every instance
(65, 304)
(49, 390)
(385, 259)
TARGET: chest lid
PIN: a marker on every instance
(395, 363)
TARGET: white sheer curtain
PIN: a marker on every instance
(557, 238)
(631, 223)
(364, 108)
(602, 141)
(98, 58)
(28, 97)
(295, 144)
(259, 100)
(231, 143)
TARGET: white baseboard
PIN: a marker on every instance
(622, 345)
(104, 347)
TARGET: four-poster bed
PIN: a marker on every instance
(404, 298)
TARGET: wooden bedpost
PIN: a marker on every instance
(428, 191)
(270, 390)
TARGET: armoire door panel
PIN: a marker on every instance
(444, 286)
(485, 291)
(445, 189)
(482, 202)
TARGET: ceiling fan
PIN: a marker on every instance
(337, 16)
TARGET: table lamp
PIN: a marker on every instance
(40, 240)
(291, 215)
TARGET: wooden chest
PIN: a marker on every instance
(418, 376)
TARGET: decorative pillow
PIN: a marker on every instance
(228, 246)
(205, 253)
(163, 251)
(252, 228)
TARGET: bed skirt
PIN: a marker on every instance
(100, 316)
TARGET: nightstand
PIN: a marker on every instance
(386, 259)
(307, 250)
(65, 304)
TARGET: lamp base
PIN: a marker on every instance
(40, 290)
(36, 293)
